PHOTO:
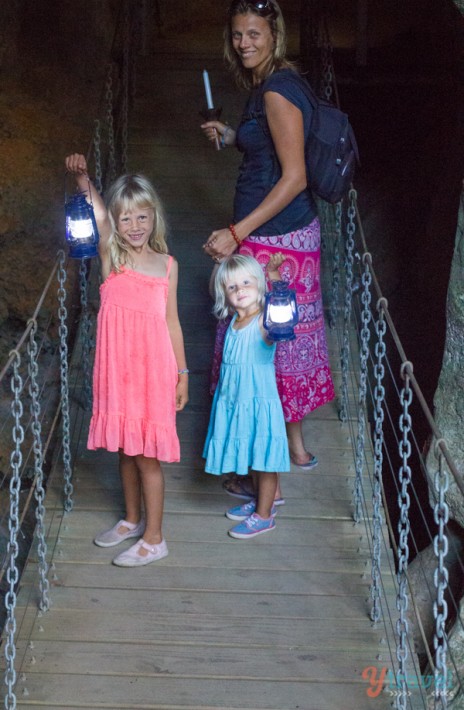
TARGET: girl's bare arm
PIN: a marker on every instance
(177, 338)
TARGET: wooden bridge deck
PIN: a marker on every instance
(280, 622)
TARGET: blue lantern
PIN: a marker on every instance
(280, 312)
(81, 228)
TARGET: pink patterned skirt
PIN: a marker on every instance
(302, 365)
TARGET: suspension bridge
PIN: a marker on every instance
(317, 616)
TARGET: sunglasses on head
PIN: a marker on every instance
(263, 7)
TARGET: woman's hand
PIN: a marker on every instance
(220, 244)
(76, 164)
(212, 129)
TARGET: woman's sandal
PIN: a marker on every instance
(312, 463)
(242, 487)
(239, 487)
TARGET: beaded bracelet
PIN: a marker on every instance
(183, 372)
(234, 234)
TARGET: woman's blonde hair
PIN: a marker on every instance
(126, 194)
(228, 268)
(273, 15)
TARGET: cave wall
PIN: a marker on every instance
(52, 60)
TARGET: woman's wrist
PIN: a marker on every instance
(228, 137)
(184, 371)
(237, 239)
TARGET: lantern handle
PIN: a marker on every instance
(85, 192)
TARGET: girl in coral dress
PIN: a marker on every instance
(140, 377)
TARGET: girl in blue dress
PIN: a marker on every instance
(247, 427)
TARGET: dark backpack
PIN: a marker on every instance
(331, 151)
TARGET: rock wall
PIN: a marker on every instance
(449, 396)
(52, 59)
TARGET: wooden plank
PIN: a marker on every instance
(300, 606)
(99, 498)
(196, 694)
(314, 535)
(155, 660)
(199, 629)
(289, 531)
(347, 558)
(71, 573)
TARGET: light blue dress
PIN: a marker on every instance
(246, 427)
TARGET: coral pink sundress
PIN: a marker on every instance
(135, 370)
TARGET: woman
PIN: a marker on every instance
(273, 210)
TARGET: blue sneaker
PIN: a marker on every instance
(242, 512)
(252, 526)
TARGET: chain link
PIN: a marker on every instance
(440, 578)
(111, 172)
(379, 398)
(404, 503)
(39, 491)
(97, 157)
(364, 354)
(334, 305)
(63, 332)
(126, 59)
(142, 26)
(324, 219)
(12, 574)
(345, 349)
(327, 74)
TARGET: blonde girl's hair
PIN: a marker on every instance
(229, 268)
(273, 15)
(126, 194)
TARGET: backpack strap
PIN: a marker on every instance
(260, 114)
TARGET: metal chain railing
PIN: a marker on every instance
(13, 525)
(39, 490)
(125, 86)
(364, 353)
(379, 398)
(111, 171)
(348, 300)
(63, 333)
(334, 302)
(98, 176)
(440, 607)
(404, 527)
(404, 675)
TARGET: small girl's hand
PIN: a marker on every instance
(272, 266)
(181, 394)
(76, 164)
